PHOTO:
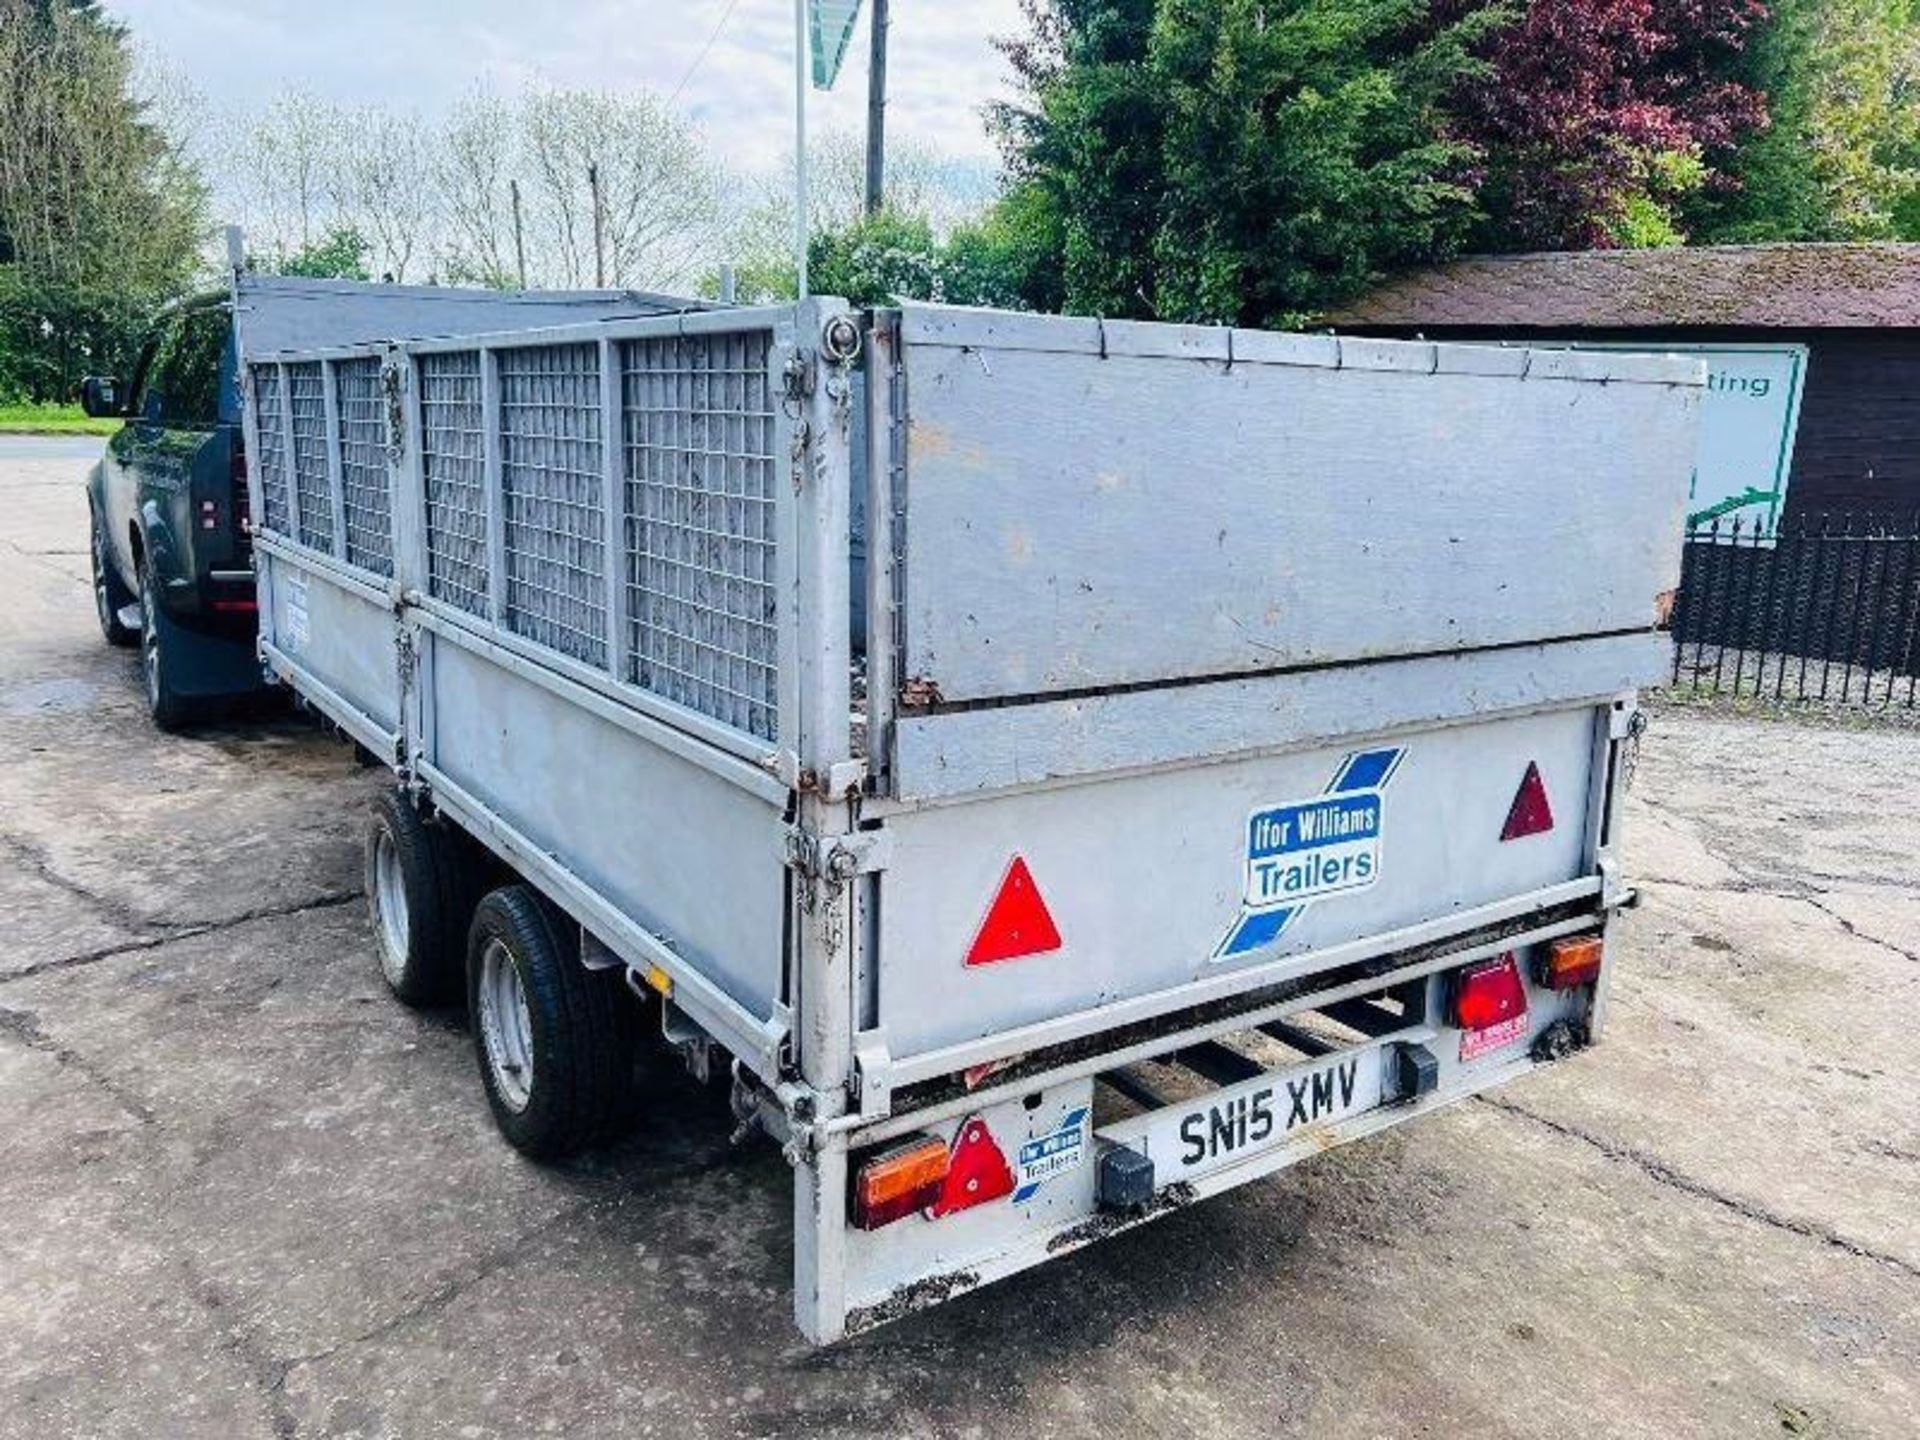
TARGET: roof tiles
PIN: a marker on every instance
(1783, 286)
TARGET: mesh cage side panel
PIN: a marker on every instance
(363, 465)
(553, 499)
(269, 408)
(452, 460)
(312, 486)
(701, 579)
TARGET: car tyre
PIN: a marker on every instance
(165, 704)
(110, 594)
(421, 883)
(554, 1039)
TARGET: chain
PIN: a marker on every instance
(1630, 758)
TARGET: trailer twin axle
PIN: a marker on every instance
(1059, 769)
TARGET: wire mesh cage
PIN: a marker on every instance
(312, 481)
(270, 407)
(553, 499)
(453, 465)
(700, 542)
(368, 502)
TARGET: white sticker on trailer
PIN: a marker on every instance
(298, 633)
(1190, 1140)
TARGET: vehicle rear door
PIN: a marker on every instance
(175, 430)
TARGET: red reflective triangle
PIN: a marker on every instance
(1531, 813)
(977, 1171)
(1017, 924)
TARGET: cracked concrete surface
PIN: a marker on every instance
(247, 1195)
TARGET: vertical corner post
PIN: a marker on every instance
(613, 470)
(336, 476)
(490, 447)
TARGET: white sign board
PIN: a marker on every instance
(1747, 430)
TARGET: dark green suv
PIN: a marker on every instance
(172, 549)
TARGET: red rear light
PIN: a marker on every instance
(242, 503)
(1488, 994)
(900, 1181)
(1490, 1004)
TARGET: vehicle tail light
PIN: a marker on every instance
(1572, 962)
(907, 1178)
(242, 504)
(977, 1171)
(1489, 994)
(209, 515)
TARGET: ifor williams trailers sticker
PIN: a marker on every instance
(1046, 1157)
(1305, 851)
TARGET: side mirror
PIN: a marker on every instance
(100, 397)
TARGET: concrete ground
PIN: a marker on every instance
(243, 1193)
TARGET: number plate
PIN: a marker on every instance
(1195, 1138)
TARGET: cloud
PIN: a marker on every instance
(408, 54)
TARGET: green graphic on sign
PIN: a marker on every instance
(1748, 422)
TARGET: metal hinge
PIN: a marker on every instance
(865, 852)
(406, 658)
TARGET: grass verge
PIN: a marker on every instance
(32, 419)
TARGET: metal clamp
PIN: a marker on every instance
(864, 852)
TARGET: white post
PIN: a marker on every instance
(800, 225)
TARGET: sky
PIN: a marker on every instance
(408, 54)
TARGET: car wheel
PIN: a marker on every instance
(168, 707)
(555, 1039)
(421, 884)
(110, 594)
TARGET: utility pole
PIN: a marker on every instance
(599, 230)
(801, 221)
(877, 113)
(519, 235)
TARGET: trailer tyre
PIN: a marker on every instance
(420, 888)
(554, 1038)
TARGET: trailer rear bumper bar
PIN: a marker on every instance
(1039, 1245)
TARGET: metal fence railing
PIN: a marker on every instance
(1826, 609)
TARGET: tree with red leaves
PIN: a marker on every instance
(1600, 115)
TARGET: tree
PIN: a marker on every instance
(101, 215)
(340, 254)
(1243, 161)
(1598, 117)
(1841, 160)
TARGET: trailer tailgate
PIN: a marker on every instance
(1042, 903)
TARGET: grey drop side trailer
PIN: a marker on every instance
(1069, 768)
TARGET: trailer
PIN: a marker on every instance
(1058, 769)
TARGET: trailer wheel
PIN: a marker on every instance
(420, 885)
(554, 1038)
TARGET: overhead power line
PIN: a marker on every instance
(705, 50)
